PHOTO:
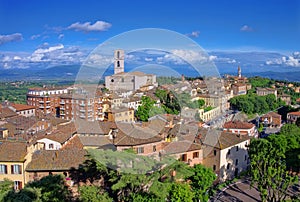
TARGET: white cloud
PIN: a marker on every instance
(88, 27)
(246, 28)
(99, 60)
(33, 37)
(194, 34)
(10, 38)
(61, 36)
(17, 57)
(148, 59)
(292, 61)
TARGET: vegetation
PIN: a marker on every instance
(272, 159)
(16, 91)
(5, 187)
(261, 82)
(162, 80)
(49, 188)
(174, 182)
(252, 103)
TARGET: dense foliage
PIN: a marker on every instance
(272, 159)
(252, 103)
(49, 188)
(260, 82)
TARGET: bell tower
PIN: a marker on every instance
(239, 72)
(119, 61)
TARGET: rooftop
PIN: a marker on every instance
(238, 125)
(21, 107)
(46, 160)
(13, 151)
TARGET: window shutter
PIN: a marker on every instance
(12, 169)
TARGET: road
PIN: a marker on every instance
(239, 191)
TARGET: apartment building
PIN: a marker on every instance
(226, 153)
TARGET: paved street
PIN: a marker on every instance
(240, 191)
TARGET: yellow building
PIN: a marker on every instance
(122, 114)
(13, 162)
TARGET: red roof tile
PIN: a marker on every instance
(238, 125)
(13, 151)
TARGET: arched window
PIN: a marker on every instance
(118, 54)
(118, 63)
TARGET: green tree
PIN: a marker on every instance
(129, 183)
(268, 169)
(49, 188)
(180, 193)
(5, 186)
(143, 110)
(93, 194)
(201, 182)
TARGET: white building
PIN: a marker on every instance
(226, 153)
(129, 81)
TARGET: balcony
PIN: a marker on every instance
(82, 110)
(62, 103)
(62, 108)
(82, 105)
(82, 116)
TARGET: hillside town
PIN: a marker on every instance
(193, 120)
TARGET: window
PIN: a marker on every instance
(237, 148)
(3, 169)
(245, 157)
(17, 185)
(184, 157)
(122, 80)
(228, 166)
(16, 169)
(51, 146)
(236, 162)
(195, 155)
(140, 150)
(215, 152)
(214, 167)
(154, 148)
(118, 63)
(228, 152)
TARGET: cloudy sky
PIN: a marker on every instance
(55, 32)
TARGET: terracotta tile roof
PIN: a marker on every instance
(294, 113)
(238, 125)
(220, 139)
(13, 151)
(131, 135)
(272, 114)
(180, 147)
(74, 142)
(62, 133)
(5, 112)
(65, 159)
(22, 122)
(21, 107)
(88, 127)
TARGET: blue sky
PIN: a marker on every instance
(27, 27)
